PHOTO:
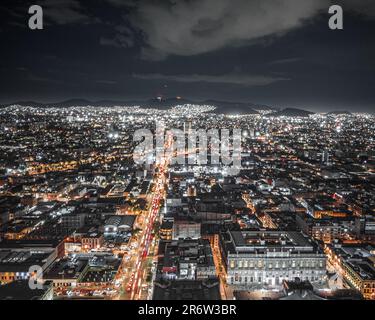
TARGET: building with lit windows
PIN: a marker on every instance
(92, 241)
(16, 264)
(166, 228)
(267, 258)
(356, 264)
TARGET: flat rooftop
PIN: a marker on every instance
(269, 238)
(20, 261)
(247, 241)
(187, 290)
(66, 269)
(20, 290)
(360, 259)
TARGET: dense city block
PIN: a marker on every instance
(81, 219)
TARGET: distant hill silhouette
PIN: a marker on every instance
(291, 112)
(223, 107)
(337, 113)
(237, 107)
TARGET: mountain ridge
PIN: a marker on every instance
(291, 112)
(222, 107)
(162, 104)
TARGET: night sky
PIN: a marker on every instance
(278, 52)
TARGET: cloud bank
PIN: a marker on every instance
(199, 26)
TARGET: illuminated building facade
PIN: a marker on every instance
(267, 258)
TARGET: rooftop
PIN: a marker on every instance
(255, 241)
(20, 290)
(187, 290)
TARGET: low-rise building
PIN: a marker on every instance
(119, 224)
(267, 258)
(357, 266)
(188, 259)
(183, 229)
(20, 290)
(19, 264)
(91, 241)
(166, 229)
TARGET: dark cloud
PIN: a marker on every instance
(362, 7)
(194, 27)
(108, 82)
(123, 3)
(119, 41)
(285, 61)
(64, 11)
(191, 27)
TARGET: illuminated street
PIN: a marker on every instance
(138, 267)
